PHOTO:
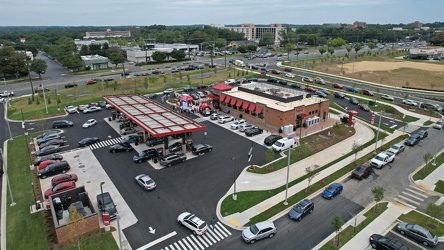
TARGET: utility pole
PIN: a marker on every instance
(29, 74)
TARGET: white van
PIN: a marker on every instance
(283, 144)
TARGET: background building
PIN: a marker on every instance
(95, 62)
(255, 33)
(107, 33)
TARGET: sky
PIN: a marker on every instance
(219, 12)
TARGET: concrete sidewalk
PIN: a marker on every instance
(250, 181)
(429, 182)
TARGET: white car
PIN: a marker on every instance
(146, 182)
(200, 94)
(109, 106)
(192, 222)
(410, 102)
(387, 97)
(397, 148)
(70, 109)
(225, 118)
(168, 91)
(235, 125)
(438, 124)
(245, 126)
(290, 75)
(89, 123)
(82, 107)
(2, 99)
(307, 79)
(92, 109)
(230, 81)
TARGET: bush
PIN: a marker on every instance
(37, 101)
(29, 101)
(49, 100)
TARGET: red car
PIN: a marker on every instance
(63, 178)
(310, 89)
(363, 107)
(362, 171)
(44, 164)
(287, 69)
(367, 92)
(52, 142)
(337, 85)
(201, 86)
(89, 82)
(277, 72)
(60, 188)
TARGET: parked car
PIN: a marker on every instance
(235, 125)
(410, 102)
(201, 86)
(241, 80)
(353, 100)
(339, 95)
(106, 204)
(438, 124)
(82, 107)
(214, 116)
(53, 169)
(154, 141)
(172, 159)
(88, 141)
(192, 222)
(363, 107)
(47, 133)
(412, 140)
(282, 82)
(397, 148)
(230, 81)
(382, 159)
(320, 94)
(175, 147)
(332, 190)
(109, 106)
(310, 89)
(387, 97)
(145, 181)
(128, 130)
(271, 139)
(145, 155)
(258, 231)
(44, 164)
(273, 80)
(244, 127)
(48, 150)
(362, 171)
(39, 160)
(70, 109)
(302, 209)
(225, 118)
(188, 88)
(422, 134)
(380, 242)
(92, 109)
(131, 139)
(63, 178)
(60, 188)
(89, 123)
(418, 233)
(120, 147)
(200, 149)
(253, 131)
(296, 86)
(168, 91)
(337, 85)
(58, 142)
(319, 80)
(152, 95)
(62, 124)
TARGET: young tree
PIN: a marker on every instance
(115, 55)
(289, 48)
(371, 45)
(427, 157)
(159, 56)
(435, 211)
(348, 48)
(38, 66)
(337, 223)
(331, 50)
(322, 50)
(355, 148)
(378, 195)
(76, 225)
(311, 173)
(178, 54)
(146, 83)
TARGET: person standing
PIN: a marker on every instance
(213, 223)
(205, 134)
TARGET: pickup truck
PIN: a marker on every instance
(70, 109)
(381, 160)
(6, 94)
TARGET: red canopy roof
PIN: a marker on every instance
(227, 99)
(245, 105)
(222, 87)
(222, 97)
(233, 101)
(239, 103)
(258, 109)
(252, 106)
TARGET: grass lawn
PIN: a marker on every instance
(429, 223)
(426, 170)
(427, 123)
(440, 187)
(101, 241)
(349, 232)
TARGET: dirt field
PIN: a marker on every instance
(397, 73)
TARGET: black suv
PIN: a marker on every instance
(301, 209)
(62, 124)
(422, 134)
(273, 80)
(172, 159)
(154, 141)
(339, 95)
(53, 169)
(106, 204)
(380, 242)
(145, 155)
(412, 140)
(131, 139)
(271, 139)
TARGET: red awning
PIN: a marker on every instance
(222, 97)
(245, 105)
(258, 109)
(239, 103)
(227, 99)
(252, 106)
(213, 97)
(233, 101)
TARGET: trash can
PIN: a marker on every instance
(106, 218)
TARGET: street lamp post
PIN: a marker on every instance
(37, 207)
(118, 228)
(101, 191)
(288, 173)
(377, 134)
(234, 174)
(7, 178)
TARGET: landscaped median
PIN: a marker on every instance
(248, 199)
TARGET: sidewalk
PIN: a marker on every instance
(429, 182)
(250, 181)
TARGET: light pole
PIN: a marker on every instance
(118, 228)
(7, 122)
(101, 191)
(288, 173)
(234, 174)
(7, 178)
(377, 134)
(6, 89)
(354, 227)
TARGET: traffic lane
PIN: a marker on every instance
(408, 242)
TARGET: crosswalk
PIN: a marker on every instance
(411, 196)
(105, 143)
(201, 242)
(200, 119)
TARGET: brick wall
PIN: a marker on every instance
(63, 234)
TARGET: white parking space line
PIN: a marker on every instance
(192, 243)
(197, 242)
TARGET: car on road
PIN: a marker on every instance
(88, 141)
(273, 80)
(302, 209)
(71, 109)
(353, 100)
(150, 142)
(332, 190)
(60, 188)
(89, 123)
(168, 91)
(230, 81)
(152, 95)
(53, 169)
(351, 89)
(307, 79)
(106, 204)
(362, 171)
(363, 107)
(48, 150)
(172, 159)
(200, 149)
(387, 97)
(120, 147)
(438, 124)
(367, 92)
(70, 85)
(417, 233)
(290, 75)
(320, 94)
(192, 222)
(58, 142)
(319, 80)
(276, 72)
(310, 89)
(258, 231)
(108, 79)
(175, 147)
(39, 160)
(271, 139)
(378, 241)
(225, 118)
(397, 148)
(63, 178)
(296, 86)
(62, 124)
(282, 82)
(92, 81)
(157, 72)
(92, 109)
(422, 134)
(145, 155)
(128, 130)
(339, 95)
(337, 85)
(235, 125)
(253, 131)
(410, 102)
(412, 140)
(145, 181)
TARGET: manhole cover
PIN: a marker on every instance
(76, 156)
(81, 166)
(88, 182)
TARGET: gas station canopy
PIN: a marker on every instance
(155, 119)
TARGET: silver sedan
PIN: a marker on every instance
(146, 182)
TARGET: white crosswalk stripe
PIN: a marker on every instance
(201, 242)
(106, 143)
(200, 119)
(411, 196)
